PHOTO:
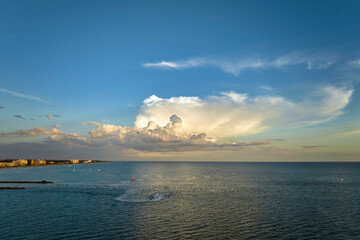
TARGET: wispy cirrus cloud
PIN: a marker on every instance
(347, 133)
(21, 95)
(352, 65)
(266, 88)
(355, 63)
(235, 67)
(179, 64)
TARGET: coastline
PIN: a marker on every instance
(47, 163)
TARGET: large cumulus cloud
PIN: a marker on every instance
(170, 137)
(236, 114)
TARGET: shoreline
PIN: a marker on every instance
(50, 163)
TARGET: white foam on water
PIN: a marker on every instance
(135, 198)
(191, 178)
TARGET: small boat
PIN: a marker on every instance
(156, 196)
(132, 179)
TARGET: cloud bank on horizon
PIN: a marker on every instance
(152, 138)
(198, 124)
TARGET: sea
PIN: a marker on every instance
(183, 200)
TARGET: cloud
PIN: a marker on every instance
(235, 67)
(55, 135)
(276, 140)
(198, 124)
(32, 132)
(312, 146)
(50, 116)
(21, 95)
(236, 114)
(152, 138)
(180, 64)
(1, 107)
(350, 68)
(347, 133)
(49, 150)
(313, 61)
(266, 88)
(19, 116)
(171, 137)
(355, 63)
(73, 139)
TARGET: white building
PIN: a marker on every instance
(74, 161)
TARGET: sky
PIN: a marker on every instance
(180, 80)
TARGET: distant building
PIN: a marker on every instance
(38, 162)
(87, 161)
(74, 161)
(7, 164)
(14, 163)
(20, 162)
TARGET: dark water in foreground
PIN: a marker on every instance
(258, 201)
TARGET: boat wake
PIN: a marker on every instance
(135, 198)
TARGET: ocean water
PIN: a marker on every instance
(193, 201)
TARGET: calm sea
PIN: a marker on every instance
(194, 201)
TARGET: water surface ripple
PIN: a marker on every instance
(196, 201)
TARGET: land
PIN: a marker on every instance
(11, 188)
(42, 182)
(16, 163)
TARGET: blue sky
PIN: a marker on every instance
(97, 61)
